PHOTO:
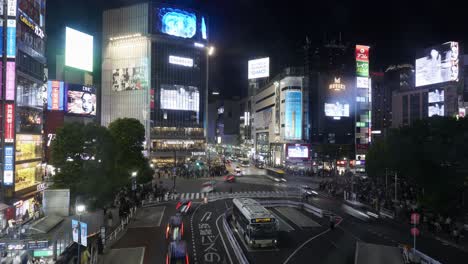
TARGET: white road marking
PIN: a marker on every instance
(182, 196)
(222, 239)
(197, 196)
(160, 218)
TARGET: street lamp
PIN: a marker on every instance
(134, 174)
(211, 51)
(80, 209)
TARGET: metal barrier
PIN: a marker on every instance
(387, 213)
(122, 226)
(423, 258)
(235, 245)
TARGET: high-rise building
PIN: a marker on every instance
(155, 70)
(22, 96)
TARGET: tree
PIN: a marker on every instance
(129, 137)
(430, 153)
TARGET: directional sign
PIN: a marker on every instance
(415, 218)
(414, 231)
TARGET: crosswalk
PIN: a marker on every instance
(224, 195)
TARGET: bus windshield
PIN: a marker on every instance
(263, 231)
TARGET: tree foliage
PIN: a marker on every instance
(94, 162)
(430, 153)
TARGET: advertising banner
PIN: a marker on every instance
(11, 7)
(9, 122)
(440, 64)
(55, 95)
(8, 166)
(293, 115)
(128, 79)
(299, 151)
(180, 97)
(362, 53)
(10, 80)
(11, 38)
(84, 232)
(81, 99)
(1, 34)
(259, 68)
(362, 69)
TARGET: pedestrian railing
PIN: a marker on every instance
(255, 194)
(121, 227)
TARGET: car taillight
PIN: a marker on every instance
(178, 205)
(189, 204)
(167, 259)
(186, 259)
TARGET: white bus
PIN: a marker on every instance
(256, 225)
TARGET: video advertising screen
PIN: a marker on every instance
(440, 64)
(180, 97)
(298, 151)
(81, 100)
(337, 109)
(176, 22)
(436, 96)
(437, 109)
(128, 79)
(78, 50)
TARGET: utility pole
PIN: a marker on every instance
(396, 178)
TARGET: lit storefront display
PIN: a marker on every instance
(28, 147)
(27, 175)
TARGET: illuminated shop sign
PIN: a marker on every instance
(9, 123)
(8, 166)
(11, 38)
(11, 7)
(30, 23)
(187, 62)
(362, 82)
(337, 85)
(10, 80)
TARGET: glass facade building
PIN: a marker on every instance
(155, 70)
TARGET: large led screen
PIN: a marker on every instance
(78, 50)
(436, 96)
(81, 100)
(293, 115)
(176, 22)
(300, 151)
(437, 109)
(128, 79)
(259, 68)
(180, 97)
(440, 64)
(337, 109)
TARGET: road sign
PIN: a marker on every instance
(414, 231)
(415, 218)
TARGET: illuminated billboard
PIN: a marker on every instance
(187, 62)
(263, 119)
(176, 22)
(337, 109)
(78, 50)
(81, 100)
(203, 28)
(436, 109)
(128, 79)
(9, 122)
(440, 64)
(300, 151)
(293, 115)
(362, 82)
(28, 147)
(8, 166)
(180, 97)
(259, 68)
(11, 38)
(435, 96)
(55, 93)
(10, 80)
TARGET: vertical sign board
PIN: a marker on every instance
(8, 166)
(10, 80)
(362, 81)
(11, 8)
(83, 233)
(1, 31)
(55, 95)
(9, 123)
(11, 38)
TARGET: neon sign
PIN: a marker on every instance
(337, 85)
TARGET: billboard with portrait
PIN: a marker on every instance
(439, 64)
(300, 151)
(180, 97)
(128, 79)
(81, 100)
(337, 109)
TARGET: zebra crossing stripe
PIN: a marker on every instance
(197, 196)
(182, 196)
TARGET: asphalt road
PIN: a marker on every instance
(304, 238)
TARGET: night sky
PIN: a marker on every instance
(244, 29)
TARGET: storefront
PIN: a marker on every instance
(27, 175)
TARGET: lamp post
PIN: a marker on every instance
(209, 52)
(80, 209)
(134, 175)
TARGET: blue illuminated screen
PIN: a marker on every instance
(177, 22)
(293, 115)
(203, 28)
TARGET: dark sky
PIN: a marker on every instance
(243, 29)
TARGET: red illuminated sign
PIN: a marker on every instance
(9, 123)
(362, 146)
(55, 94)
(362, 53)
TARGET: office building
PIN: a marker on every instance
(156, 72)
